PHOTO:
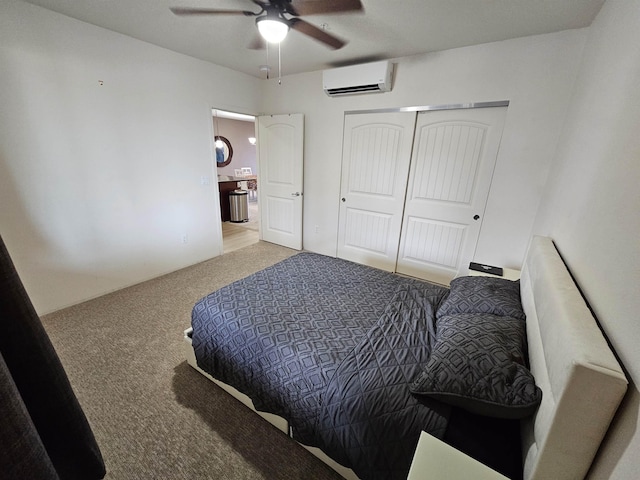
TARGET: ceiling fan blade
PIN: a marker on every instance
(312, 7)
(316, 33)
(209, 11)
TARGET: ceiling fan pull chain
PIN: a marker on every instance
(267, 45)
(279, 65)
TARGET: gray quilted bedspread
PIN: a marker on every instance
(369, 419)
(331, 346)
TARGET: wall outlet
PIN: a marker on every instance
(205, 180)
(317, 229)
(185, 238)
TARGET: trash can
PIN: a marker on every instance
(238, 206)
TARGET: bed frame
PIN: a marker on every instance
(581, 380)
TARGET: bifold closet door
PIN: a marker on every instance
(454, 155)
(375, 164)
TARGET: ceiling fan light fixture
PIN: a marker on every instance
(273, 30)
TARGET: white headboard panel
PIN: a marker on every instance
(581, 380)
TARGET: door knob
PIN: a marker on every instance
(344, 199)
(297, 194)
(476, 217)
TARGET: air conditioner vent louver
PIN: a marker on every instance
(366, 78)
(357, 89)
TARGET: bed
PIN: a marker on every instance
(354, 363)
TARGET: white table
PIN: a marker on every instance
(435, 460)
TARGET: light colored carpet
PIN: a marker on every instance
(153, 416)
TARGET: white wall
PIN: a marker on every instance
(590, 207)
(536, 74)
(98, 184)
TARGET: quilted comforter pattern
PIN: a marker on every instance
(369, 419)
(303, 340)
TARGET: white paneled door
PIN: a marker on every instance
(454, 155)
(280, 162)
(375, 164)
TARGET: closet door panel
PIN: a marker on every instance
(451, 170)
(375, 165)
(438, 243)
(368, 231)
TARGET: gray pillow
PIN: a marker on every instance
(478, 364)
(483, 295)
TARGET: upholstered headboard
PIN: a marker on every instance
(581, 380)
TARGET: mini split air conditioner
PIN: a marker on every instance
(365, 78)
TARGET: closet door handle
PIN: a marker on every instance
(476, 217)
(344, 199)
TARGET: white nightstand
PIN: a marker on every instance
(435, 460)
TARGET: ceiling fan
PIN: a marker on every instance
(276, 17)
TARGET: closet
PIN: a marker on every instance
(414, 187)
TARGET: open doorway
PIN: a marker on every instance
(237, 173)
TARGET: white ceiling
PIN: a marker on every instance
(386, 28)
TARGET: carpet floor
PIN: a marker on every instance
(153, 416)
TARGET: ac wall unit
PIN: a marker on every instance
(365, 78)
